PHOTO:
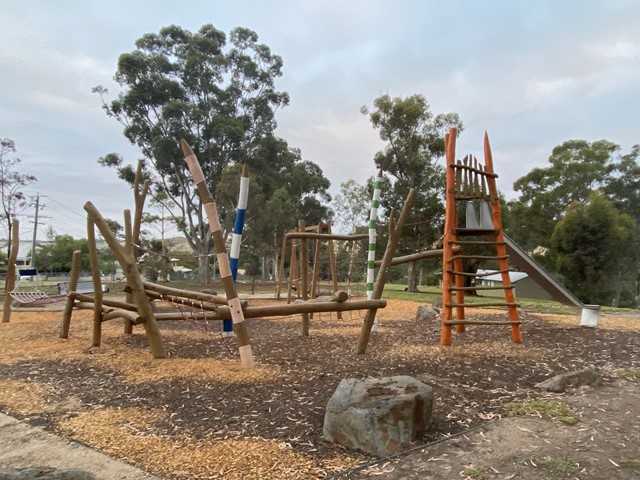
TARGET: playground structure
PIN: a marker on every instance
(467, 181)
(472, 184)
(137, 310)
(301, 281)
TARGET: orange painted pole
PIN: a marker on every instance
(449, 224)
(501, 248)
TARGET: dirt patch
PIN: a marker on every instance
(199, 415)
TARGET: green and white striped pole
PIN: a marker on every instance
(373, 226)
(237, 315)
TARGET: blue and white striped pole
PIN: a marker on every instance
(373, 225)
(236, 239)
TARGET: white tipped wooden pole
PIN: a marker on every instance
(236, 239)
(237, 316)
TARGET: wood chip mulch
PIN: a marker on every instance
(200, 415)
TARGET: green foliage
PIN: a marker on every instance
(414, 140)
(576, 169)
(558, 465)
(475, 472)
(57, 256)
(630, 463)
(594, 246)
(551, 408)
(351, 206)
(588, 244)
(155, 263)
(632, 374)
(250, 262)
(178, 84)
(623, 187)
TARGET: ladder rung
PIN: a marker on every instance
(475, 242)
(479, 196)
(482, 322)
(456, 289)
(475, 231)
(461, 166)
(466, 274)
(485, 304)
(479, 257)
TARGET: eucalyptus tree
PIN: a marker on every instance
(218, 95)
(576, 168)
(595, 250)
(12, 182)
(414, 139)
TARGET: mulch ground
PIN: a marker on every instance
(198, 414)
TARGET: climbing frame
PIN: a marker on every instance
(472, 184)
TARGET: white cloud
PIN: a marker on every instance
(620, 49)
(547, 92)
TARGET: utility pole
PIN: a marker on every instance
(32, 264)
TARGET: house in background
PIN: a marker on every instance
(24, 252)
(524, 285)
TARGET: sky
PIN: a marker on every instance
(531, 74)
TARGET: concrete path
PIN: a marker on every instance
(22, 445)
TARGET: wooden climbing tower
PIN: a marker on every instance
(471, 184)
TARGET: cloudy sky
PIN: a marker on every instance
(533, 74)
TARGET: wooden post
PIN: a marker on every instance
(501, 248)
(283, 255)
(134, 281)
(449, 224)
(239, 326)
(381, 278)
(236, 240)
(315, 272)
(128, 245)
(304, 274)
(97, 284)
(73, 285)
(333, 268)
(10, 282)
(293, 272)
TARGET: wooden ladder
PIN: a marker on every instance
(469, 181)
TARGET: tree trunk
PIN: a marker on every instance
(619, 283)
(412, 278)
(203, 268)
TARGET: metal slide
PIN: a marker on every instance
(519, 258)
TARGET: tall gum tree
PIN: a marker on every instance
(576, 168)
(12, 181)
(220, 97)
(594, 247)
(414, 139)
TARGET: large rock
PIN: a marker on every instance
(378, 415)
(425, 313)
(578, 378)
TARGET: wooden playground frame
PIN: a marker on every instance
(137, 308)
